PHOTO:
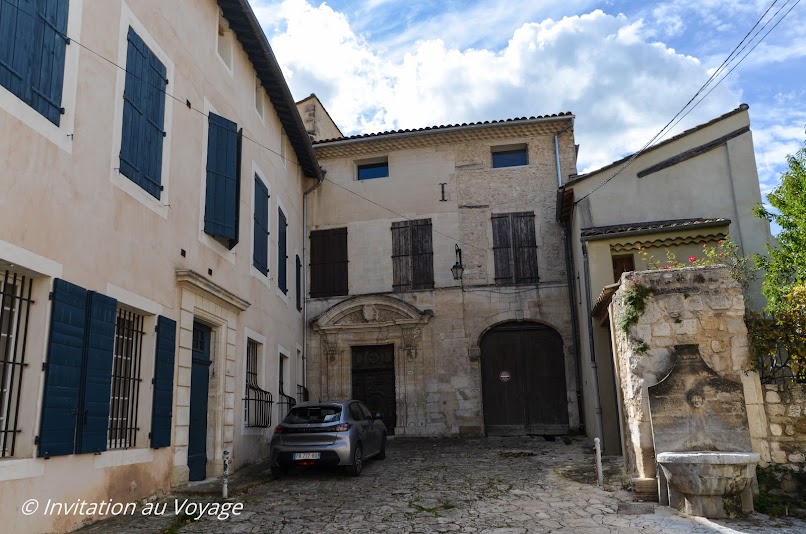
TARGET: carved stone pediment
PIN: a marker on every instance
(370, 312)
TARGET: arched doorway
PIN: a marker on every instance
(523, 380)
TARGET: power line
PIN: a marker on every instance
(683, 111)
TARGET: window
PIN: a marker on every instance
(514, 248)
(143, 117)
(412, 255)
(510, 156)
(286, 402)
(282, 257)
(224, 44)
(260, 252)
(329, 262)
(125, 390)
(257, 402)
(302, 391)
(83, 350)
(368, 171)
(298, 279)
(223, 180)
(259, 98)
(622, 264)
(15, 304)
(34, 39)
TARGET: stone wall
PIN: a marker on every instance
(785, 408)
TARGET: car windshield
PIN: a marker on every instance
(313, 414)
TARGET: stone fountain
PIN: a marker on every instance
(702, 440)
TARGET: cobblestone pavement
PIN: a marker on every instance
(487, 485)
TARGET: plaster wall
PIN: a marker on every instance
(68, 213)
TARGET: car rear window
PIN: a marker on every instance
(313, 414)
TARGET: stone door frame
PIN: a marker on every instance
(377, 320)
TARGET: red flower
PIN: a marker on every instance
(692, 259)
(667, 267)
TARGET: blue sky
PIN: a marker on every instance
(624, 68)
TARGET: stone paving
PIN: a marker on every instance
(484, 486)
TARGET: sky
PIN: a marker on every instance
(624, 68)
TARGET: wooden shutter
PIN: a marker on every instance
(401, 256)
(282, 257)
(220, 207)
(141, 142)
(329, 261)
(524, 247)
(162, 406)
(33, 33)
(502, 248)
(422, 254)
(260, 254)
(60, 401)
(96, 380)
(298, 279)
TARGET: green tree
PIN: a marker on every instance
(785, 264)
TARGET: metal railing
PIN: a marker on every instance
(285, 403)
(257, 402)
(302, 393)
(125, 387)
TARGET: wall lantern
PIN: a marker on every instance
(458, 269)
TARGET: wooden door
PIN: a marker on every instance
(199, 386)
(523, 381)
(373, 374)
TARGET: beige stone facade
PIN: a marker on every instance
(68, 212)
(445, 175)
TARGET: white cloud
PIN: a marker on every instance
(621, 87)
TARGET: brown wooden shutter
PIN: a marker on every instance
(401, 256)
(422, 254)
(502, 248)
(524, 247)
(329, 260)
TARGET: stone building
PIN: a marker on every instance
(690, 190)
(151, 217)
(490, 351)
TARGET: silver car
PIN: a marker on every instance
(342, 433)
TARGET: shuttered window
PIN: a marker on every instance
(33, 43)
(412, 255)
(282, 255)
(514, 248)
(78, 372)
(141, 141)
(222, 193)
(329, 263)
(299, 283)
(260, 252)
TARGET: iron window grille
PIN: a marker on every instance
(257, 402)
(15, 308)
(302, 393)
(125, 386)
(286, 402)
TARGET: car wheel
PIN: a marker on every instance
(382, 454)
(358, 462)
(278, 471)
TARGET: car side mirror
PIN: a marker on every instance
(377, 415)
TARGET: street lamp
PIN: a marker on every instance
(458, 269)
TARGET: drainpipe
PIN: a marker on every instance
(594, 367)
(305, 274)
(571, 289)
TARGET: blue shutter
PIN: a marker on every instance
(299, 284)
(162, 406)
(260, 255)
(221, 199)
(47, 72)
(63, 370)
(143, 117)
(282, 258)
(32, 49)
(99, 346)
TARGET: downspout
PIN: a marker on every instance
(594, 367)
(571, 289)
(305, 272)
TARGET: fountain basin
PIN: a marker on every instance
(712, 484)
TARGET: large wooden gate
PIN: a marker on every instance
(523, 380)
(374, 381)
(199, 386)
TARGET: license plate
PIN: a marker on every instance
(306, 455)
